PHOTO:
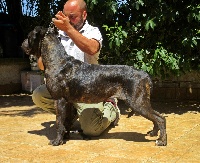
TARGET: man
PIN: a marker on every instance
(83, 42)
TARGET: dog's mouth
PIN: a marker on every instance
(27, 51)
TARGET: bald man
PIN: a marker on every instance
(83, 42)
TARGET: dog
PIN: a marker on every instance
(71, 81)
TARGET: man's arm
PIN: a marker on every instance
(88, 46)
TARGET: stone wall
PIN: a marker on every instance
(185, 87)
(10, 78)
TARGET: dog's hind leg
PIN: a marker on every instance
(155, 130)
(159, 124)
(142, 105)
(61, 110)
(158, 120)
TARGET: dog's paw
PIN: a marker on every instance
(161, 142)
(56, 142)
(152, 133)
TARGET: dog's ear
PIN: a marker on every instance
(32, 44)
(37, 34)
(39, 31)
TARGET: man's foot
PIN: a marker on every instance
(114, 102)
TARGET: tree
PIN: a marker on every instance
(14, 10)
(159, 36)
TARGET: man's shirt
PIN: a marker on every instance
(91, 33)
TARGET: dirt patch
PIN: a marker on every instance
(25, 131)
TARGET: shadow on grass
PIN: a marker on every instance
(15, 105)
(168, 107)
(21, 100)
(49, 131)
(24, 113)
(15, 100)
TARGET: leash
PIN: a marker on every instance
(51, 29)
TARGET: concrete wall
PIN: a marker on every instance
(10, 79)
(185, 87)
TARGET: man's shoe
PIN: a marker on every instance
(114, 102)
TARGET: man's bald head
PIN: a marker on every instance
(78, 3)
(75, 10)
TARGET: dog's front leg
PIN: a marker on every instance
(60, 106)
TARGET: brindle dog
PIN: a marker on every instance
(71, 81)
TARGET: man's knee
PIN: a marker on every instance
(92, 121)
(42, 99)
(37, 97)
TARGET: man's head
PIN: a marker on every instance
(76, 10)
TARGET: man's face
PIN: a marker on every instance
(75, 15)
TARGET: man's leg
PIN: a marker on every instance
(42, 98)
(95, 118)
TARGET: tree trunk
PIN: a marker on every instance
(14, 10)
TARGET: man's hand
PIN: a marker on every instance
(88, 46)
(62, 22)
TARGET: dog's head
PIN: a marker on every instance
(31, 45)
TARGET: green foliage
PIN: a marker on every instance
(158, 36)
(39, 13)
(162, 36)
(116, 36)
